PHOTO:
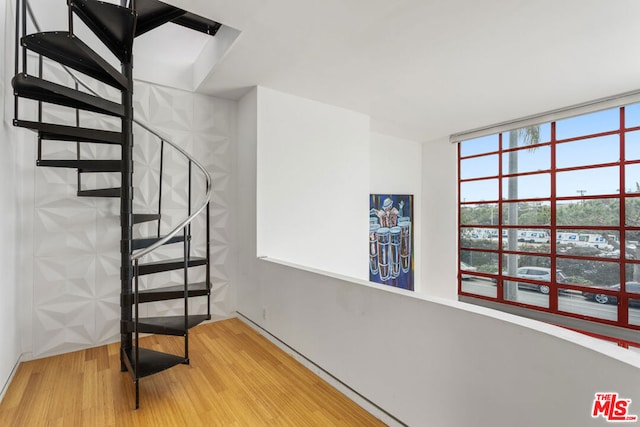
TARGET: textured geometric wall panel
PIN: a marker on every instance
(76, 240)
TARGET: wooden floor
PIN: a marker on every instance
(236, 378)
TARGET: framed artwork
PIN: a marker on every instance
(391, 240)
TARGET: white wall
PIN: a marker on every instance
(313, 183)
(10, 304)
(439, 219)
(396, 168)
(249, 295)
(441, 364)
(425, 361)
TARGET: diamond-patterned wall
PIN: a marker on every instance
(76, 263)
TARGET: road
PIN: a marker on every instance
(570, 302)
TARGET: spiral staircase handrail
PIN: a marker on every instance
(197, 211)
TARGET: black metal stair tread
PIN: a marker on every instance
(154, 13)
(100, 192)
(173, 292)
(168, 265)
(69, 50)
(149, 361)
(114, 25)
(167, 325)
(145, 242)
(55, 132)
(198, 23)
(42, 90)
(84, 165)
(141, 218)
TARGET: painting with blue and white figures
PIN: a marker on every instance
(391, 240)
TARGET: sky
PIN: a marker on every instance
(591, 182)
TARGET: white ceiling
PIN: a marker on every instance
(423, 69)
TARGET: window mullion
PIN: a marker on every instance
(623, 311)
(553, 297)
(499, 282)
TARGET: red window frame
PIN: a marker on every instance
(553, 228)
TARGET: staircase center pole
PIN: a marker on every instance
(126, 215)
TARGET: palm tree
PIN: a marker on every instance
(529, 136)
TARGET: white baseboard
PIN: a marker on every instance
(343, 388)
(5, 386)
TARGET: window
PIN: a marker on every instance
(549, 221)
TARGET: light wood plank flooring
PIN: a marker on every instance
(236, 378)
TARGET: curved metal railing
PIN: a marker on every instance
(190, 218)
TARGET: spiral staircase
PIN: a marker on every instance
(116, 27)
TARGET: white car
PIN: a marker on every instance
(542, 274)
(466, 267)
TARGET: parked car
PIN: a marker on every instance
(533, 236)
(542, 274)
(467, 267)
(631, 287)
